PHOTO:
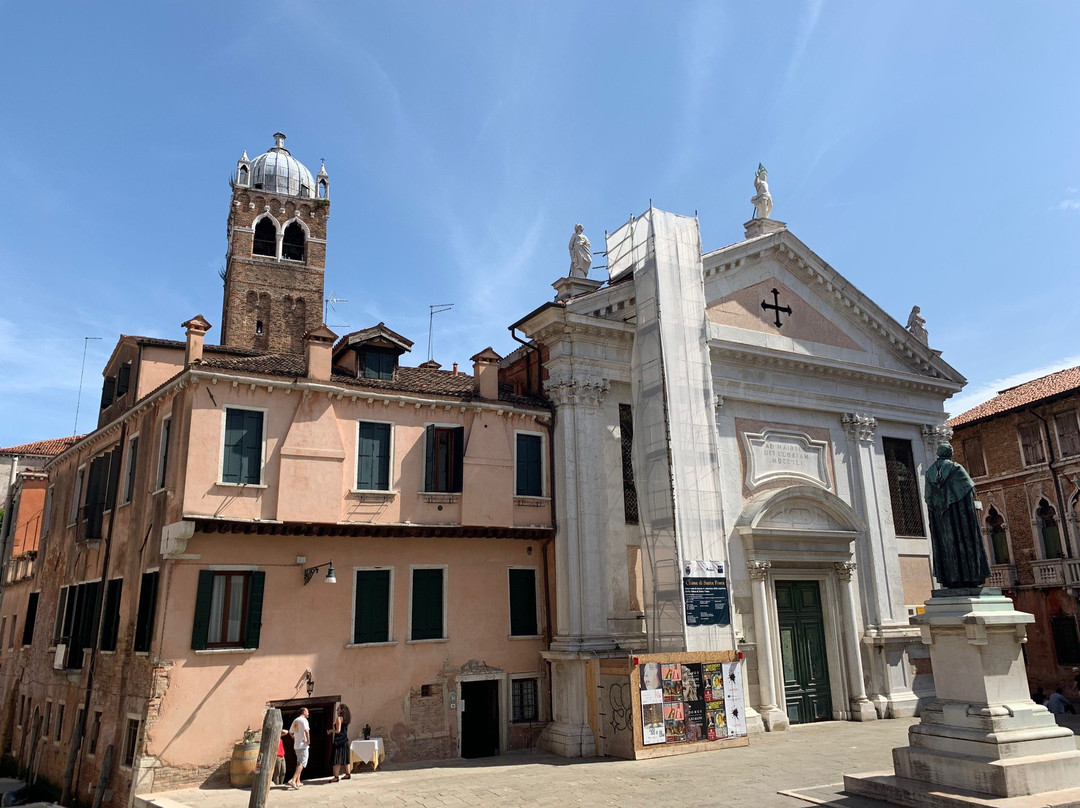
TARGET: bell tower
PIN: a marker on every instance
(276, 254)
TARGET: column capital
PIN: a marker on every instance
(844, 569)
(567, 392)
(936, 434)
(758, 569)
(860, 425)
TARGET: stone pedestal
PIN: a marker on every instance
(566, 288)
(982, 738)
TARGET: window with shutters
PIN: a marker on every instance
(100, 493)
(523, 622)
(144, 621)
(110, 626)
(31, 619)
(973, 457)
(428, 604)
(1068, 434)
(525, 704)
(376, 363)
(1066, 641)
(1031, 444)
(163, 453)
(123, 379)
(132, 460)
(999, 541)
(95, 733)
(372, 610)
(131, 742)
(529, 465)
(445, 456)
(76, 617)
(242, 455)
(1049, 530)
(76, 496)
(626, 432)
(228, 609)
(903, 487)
(46, 519)
(108, 391)
(373, 452)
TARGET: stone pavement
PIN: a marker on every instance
(809, 760)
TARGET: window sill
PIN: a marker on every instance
(525, 637)
(370, 644)
(212, 651)
(123, 505)
(440, 497)
(157, 491)
(423, 642)
(531, 502)
(241, 485)
(372, 495)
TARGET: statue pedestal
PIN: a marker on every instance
(762, 227)
(982, 738)
(566, 288)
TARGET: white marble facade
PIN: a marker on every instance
(801, 413)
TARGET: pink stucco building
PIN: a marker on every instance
(185, 546)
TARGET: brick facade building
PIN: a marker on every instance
(1022, 449)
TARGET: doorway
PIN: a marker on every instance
(480, 718)
(320, 718)
(807, 694)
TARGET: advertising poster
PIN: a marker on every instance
(694, 724)
(652, 723)
(734, 699)
(715, 721)
(712, 676)
(674, 722)
(650, 676)
(691, 682)
(672, 678)
(706, 594)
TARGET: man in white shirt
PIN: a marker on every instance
(301, 735)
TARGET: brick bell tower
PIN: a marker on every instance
(276, 256)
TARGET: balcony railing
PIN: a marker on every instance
(1049, 572)
(1003, 576)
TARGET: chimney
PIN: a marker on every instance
(319, 350)
(196, 334)
(455, 368)
(486, 374)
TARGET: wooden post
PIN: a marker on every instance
(271, 735)
(103, 778)
(73, 756)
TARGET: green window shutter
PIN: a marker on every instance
(31, 619)
(234, 434)
(108, 391)
(123, 379)
(111, 627)
(429, 458)
(251, 473)
(427, 604)
(200, 627)
(372, 613)
(243, 447)
(253, 629)
(523, 603)
(373, 457)
(144, 625)
(459, 459)
(529, 466)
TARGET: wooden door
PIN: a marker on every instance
(807, 693)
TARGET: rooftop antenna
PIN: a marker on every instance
(436, 308)
(86, 342)
(330, 303)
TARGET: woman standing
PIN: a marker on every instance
(340, 743)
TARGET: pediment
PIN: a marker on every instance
(801, 516)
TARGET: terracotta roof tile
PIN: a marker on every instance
(422, 381)
(43, 448)
(1022, 395)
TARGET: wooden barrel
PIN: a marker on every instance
(242, 765)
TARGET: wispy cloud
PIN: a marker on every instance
(1069, 204)
(807, 26)
(984, 391)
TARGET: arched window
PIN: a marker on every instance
(292, 245)
(324, 189)
(265, 238)
(999, 542)
(1050, 530)
(242, 175)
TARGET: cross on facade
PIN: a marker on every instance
(775, 306)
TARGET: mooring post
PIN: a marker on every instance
(264, 769)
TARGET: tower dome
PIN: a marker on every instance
(278, 172)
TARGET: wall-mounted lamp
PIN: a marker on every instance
(309, 572)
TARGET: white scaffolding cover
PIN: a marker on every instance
(675, 448)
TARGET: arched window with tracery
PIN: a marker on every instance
(292, 244)
(265, 242)
(999, 542)
(1049, 529)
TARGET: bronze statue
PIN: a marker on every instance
(959, 556)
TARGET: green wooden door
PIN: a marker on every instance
(802, 651)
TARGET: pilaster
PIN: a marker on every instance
(772, 717)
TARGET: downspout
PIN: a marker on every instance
(1062, 515)
(532, 348)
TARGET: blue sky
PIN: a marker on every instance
(927, 151)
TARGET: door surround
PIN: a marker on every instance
(503, 702)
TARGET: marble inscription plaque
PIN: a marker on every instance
(780, 454)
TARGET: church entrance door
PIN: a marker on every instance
(802, 649)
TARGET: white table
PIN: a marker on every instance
(370, 751)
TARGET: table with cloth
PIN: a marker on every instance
(370, 751)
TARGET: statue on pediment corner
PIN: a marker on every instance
(762, 200)
(916, 325)
(580, 253)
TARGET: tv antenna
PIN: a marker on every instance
(331, 304)
(86, 342)
(436, 308)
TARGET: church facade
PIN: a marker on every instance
(747, 406)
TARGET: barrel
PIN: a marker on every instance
(242, 765)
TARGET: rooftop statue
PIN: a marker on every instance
(762, 201)
(959, 557)
(916, 325)
(580, 253)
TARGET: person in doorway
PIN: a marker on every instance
(340, 733)
(301, 736)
